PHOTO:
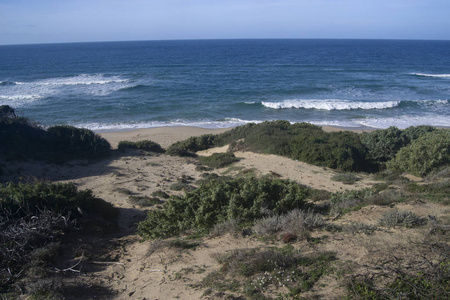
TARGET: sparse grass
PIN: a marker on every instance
(181, 186)
(262, 271)
(183, 244)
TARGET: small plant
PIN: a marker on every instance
(406, 219)
(144, 201)
(160, 194)
(342, 201)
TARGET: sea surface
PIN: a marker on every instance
(224, 83)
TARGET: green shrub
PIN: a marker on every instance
(425, 154)
(383, 144)
(76, 142)
(218, 160)
(141, 145)
(191, 145)
(217, 201)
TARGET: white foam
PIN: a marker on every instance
(406, 121)
(432, 75)
(17, 100)
(330, 104)
(226, 123)
(82, 79)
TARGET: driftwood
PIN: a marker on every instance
(434, 225)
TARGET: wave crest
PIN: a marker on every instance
(432, 75)
(330, 104)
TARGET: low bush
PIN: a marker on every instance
(295, 222)
(214, 202)
(346, 178)
(342, 201)
(144, 201)
(145, 145)
(424, 155)
(218, 160)
(395, 218)
(32, 217)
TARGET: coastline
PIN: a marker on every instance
(166, 136)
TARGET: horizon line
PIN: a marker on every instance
(225, 39)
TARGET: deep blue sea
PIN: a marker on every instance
(224, 83)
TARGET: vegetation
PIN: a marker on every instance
(32, 217)
(254, 272)
(245, 199)
(218, 160)
(21, 139)
(346, 178)
(424, 155)
(145, 145)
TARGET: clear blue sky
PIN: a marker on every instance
(49, 21)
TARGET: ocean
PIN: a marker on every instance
(108, 86)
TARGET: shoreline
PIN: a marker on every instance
(167, 135)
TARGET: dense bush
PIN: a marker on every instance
(21, 139)
(218, 201)
(218, 160)
(141, 145)
(77, 142)
(383, 144)
(425, 154)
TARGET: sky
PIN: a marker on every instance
(60, 21)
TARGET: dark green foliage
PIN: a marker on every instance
(20, 139)
(191, 145)
(141, 145)
(415, 132)
(218, 160)
(383, 144)
(217, 201)
(77, 142)
(301, 141)
(429, 152)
